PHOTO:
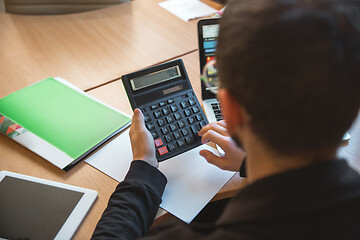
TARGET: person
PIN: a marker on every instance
(289, 73)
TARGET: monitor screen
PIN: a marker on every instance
(208, 30)
(210, 34)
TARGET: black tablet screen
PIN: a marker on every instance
(30, 210)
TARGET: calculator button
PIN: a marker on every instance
(199, 117)
(170, 101)
(172, 127)
(164, 130)
(177, 135)
(195, 129)
(166, 111)
(157, 114)
(195, 109)
(150, 126)
(184, 104)
(191, 102)
(161, 122)
(161, 104)
(143, 110)
(169, 119)
(177, 116)
(217, 111)
(184, 132)
(147, 118)
(218, 117)
(168, 138)
(202, 124)
(189, 139)
(180, 143)
(162, 150)
(154, 134)
(171, 147)
(154, 106)
(187, 112)
(192, 119)
(174, 108)
(158, 142)
(181, 124)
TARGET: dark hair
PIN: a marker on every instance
(295, 67)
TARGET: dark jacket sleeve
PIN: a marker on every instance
(134, 204)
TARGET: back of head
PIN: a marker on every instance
(295, 66)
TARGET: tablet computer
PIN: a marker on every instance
(34, 208)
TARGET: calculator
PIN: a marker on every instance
(172, 112)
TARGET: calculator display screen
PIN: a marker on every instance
(155, 78)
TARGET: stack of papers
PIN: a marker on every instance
(187, 9)
(192, 181)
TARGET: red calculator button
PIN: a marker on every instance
(158, 142)
(162, 150)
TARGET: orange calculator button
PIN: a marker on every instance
(158, 142)
(162, 150)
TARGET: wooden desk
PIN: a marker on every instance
(91, 48)
(88, 49)
(18, 159)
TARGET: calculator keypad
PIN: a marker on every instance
(174, 124)
(217, 111)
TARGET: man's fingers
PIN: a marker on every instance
(213, 159)
(222, 123)
(137, 122)
(216, 138)
(138, 118)
(215, 127)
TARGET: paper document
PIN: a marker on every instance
(192, 182)
(187, 9)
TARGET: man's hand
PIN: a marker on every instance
(142, 142)
(217, 133)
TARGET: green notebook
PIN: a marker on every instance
(64, 117)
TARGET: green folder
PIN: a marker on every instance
(64, 117)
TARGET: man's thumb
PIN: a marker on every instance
(138, 118)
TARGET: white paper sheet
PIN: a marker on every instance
(192, 182)
(187, 9)
(114, 158)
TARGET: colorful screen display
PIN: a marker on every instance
(210, 34)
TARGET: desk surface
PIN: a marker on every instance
(91, 48)
(18, 159)
(88, 49)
